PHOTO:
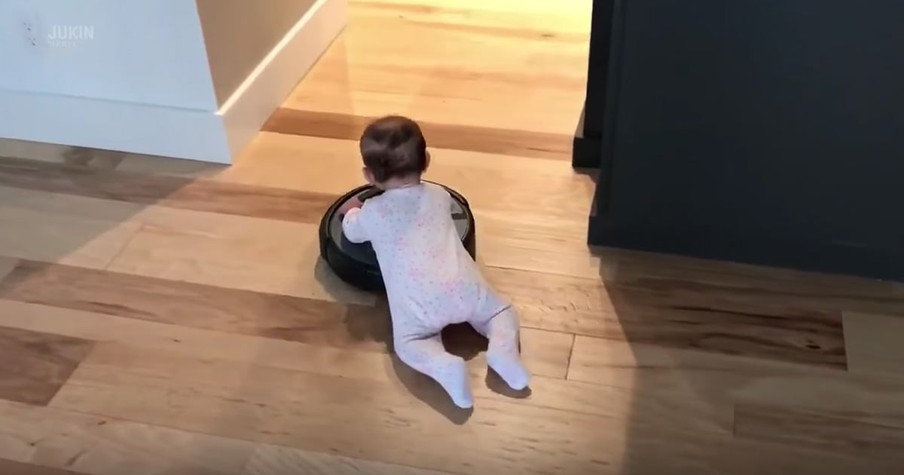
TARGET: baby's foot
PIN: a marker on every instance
(455, 381)
(508, 365)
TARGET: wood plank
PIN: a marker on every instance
(419, 96)
(273, 460)
(713, 321)
(448, 136)
(803, 292)
(235, 252)
(531, 218)
(165, 190)
(721, 381)
(103, 446)
(195, 305)
(545, 353)
(61, 238)
(547, 245)
(531, 84)
(556, 302)
(11, 467)
(548, 188)
(718, 321)
(479, 94)
(228, 251)
(377, 421)
(532, 23)
(541, 208)
(99, 446)
(621, 364)
(245, 312)
(7, 264)
(525, 12)
(343, 416)
(71, 206)
(61, 154)
(204, 344)
(807, 428)
(35, 364)
(215, 249)
(874, 343)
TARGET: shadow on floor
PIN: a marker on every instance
(702, 340)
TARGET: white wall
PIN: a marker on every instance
(136, 75)
(239, 33)
(149, 52)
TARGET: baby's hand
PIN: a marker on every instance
(350, 205)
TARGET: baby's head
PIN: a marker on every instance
(394, 152)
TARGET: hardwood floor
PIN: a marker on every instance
(164, 317)
(466, 138)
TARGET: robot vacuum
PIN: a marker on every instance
(357, 264)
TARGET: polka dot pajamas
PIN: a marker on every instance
(432, 282)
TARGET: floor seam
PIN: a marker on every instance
(125, 245)
(574, 338)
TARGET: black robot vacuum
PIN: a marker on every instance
(357, 264)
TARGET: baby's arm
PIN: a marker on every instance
(353, 225)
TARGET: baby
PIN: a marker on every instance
(430, 279)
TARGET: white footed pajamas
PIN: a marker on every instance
(432, 282)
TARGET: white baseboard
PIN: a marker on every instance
(268, 86)
(110, 125)
(209, 136)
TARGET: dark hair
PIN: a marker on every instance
(393, 147)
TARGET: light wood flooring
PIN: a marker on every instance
(161, 317)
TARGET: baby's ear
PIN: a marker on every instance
(367, 176)
(427, 164)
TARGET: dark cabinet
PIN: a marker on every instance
(761, 131)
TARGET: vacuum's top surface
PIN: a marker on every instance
(364, 252)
